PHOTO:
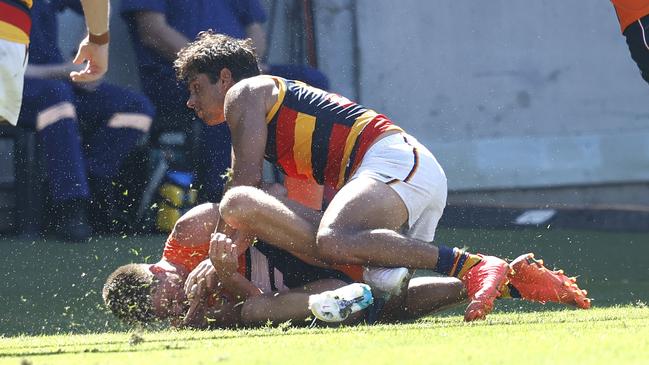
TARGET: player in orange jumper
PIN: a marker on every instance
(275, 285)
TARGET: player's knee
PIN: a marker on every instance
(204, 212)
(238, 206)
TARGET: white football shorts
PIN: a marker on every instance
(13, 62)
(409, 168)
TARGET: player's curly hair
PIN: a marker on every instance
(127, 293)
(211, 52)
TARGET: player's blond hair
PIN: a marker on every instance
(127, 293)
(211, 52)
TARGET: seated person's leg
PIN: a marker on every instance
(48, 108)
(114, 120)
(214, 157)
(304, 73)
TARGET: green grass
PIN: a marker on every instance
(51, 311)
(49, 287)
(613, 335)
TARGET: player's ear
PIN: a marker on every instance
(155, 269)
(225, 76)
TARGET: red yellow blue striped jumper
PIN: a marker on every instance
(15, 20)
(319, 136)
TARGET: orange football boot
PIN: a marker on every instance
(483, 283)
(536, 283)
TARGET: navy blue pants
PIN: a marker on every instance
(637, 38)
(83, 133)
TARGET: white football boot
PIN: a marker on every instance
(337, 305)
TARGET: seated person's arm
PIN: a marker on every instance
(157, 34)
(96, 13)
(256, 32)
(58, 71)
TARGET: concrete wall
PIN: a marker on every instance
(507, 94)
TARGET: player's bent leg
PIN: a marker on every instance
(533, 281)
(281, 223)
(425, 295)
(362, 226)
(349, 233)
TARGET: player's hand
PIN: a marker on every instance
(198, 304)
(224, 255)
(96, 57)
(203, 275)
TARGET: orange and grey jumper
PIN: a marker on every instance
(15, 20)
(319, 136)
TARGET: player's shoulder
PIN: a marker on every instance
(252, 86)
(257, 90)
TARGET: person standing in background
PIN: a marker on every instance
(85, 129)
(634, 21)
(15, 28)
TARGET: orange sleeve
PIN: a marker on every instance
(187, 256)
(629, 11)
(190, 256)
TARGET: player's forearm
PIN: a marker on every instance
(276, 308)
(237, 285)
(96, 13)
(227, 315)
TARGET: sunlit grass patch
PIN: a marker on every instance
(614, 335)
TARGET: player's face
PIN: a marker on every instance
(168, 297)
(207, 98)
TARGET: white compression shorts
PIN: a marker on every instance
(13, 62)
(409, 168)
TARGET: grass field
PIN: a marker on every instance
(51, 312)
(613, 335)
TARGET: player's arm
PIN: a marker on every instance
(156, 34)
(245, 111)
